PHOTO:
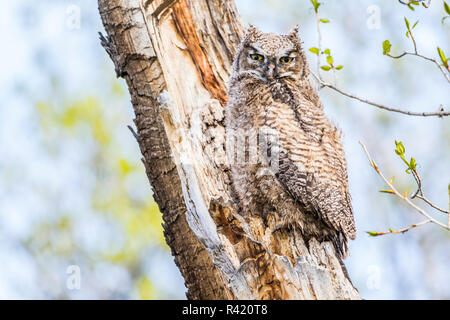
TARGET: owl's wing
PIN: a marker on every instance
(311, 166)
(322, 197)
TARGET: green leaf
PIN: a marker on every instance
(326, 68)
(447, 8)
(324, 20)
(314, 50)
(386, 47)
(442, 56)
(412, 164)
(400, 149)
(407, 24)
(316, 4)
(330, 60)
(327, 51)
(339, 67)
(373, 233)
(415, 24)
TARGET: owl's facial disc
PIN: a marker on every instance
(253, 62)
(288, 64)
(269, 65)
(270, 71)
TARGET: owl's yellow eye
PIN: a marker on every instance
(256, 57)
(286, 59)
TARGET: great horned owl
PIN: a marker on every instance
(274, 113)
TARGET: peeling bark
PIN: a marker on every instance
(176, 57)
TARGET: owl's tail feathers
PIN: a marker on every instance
(340, 244)
(346, 222)
(350, 228)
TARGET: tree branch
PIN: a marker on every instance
(391, 231)
(405, 198)
(419, 193)
(380, 106)
(408, 3)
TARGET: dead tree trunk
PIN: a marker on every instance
(176, 58)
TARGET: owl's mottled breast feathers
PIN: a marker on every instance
(309, 188)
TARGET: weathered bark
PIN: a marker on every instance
(176, 57)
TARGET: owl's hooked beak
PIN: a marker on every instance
(271, 71)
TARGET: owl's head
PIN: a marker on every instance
(268, 56)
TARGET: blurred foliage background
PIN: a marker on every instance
(73, 190)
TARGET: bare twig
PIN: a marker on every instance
(431, 204)
(419, 193)
(319, 44)
(445, 71)
(413, 41)
(419, 184)
(415, 225)
(401, 196)
(440, 66)
(441, 113)
(380, 106)
(448, 222)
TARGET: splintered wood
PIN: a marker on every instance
(176, 57)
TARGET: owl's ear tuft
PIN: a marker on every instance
(252, 31)
(293, 34)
